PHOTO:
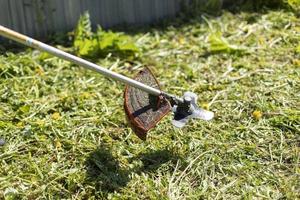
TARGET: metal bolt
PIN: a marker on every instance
(187, 100)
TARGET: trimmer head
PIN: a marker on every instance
(144, 110)
(188, 110)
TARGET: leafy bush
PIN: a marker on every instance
(195, 7)
(294, 5)
(259, 4)
(90, 44)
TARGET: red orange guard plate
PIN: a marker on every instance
(144, 110)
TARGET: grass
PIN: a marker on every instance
(66, 136)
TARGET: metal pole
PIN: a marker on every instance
(5, 32)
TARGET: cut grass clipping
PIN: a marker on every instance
(66, 136)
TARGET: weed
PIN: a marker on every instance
(102, 42)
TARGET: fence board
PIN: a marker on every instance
(5, 18)
(126, 9)
(29, 18)
(19, 19)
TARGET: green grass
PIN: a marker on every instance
(67, 137)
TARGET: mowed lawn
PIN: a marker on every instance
(66, 135)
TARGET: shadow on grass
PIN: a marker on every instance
(105, 172)
(153, 160)
(10, 47)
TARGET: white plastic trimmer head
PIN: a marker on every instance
(189, 110)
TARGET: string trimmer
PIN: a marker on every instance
(145, 103)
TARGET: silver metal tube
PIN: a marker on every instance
(5, 32)
(74, 59)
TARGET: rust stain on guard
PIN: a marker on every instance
(144, 110)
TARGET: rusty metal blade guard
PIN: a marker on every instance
(144, 110)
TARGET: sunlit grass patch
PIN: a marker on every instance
(66, 135)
